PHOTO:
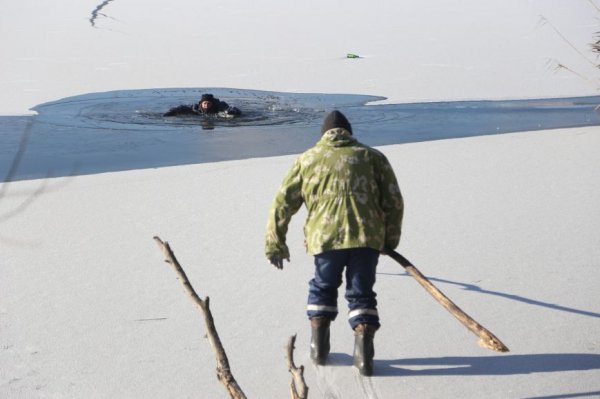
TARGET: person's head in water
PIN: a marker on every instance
(334, 120)
(206, 102)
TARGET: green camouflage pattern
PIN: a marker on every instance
(351, 194)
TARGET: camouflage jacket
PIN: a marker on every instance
(350, 192)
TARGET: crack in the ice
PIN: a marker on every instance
(97, 12)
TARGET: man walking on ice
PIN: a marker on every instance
(355, 211)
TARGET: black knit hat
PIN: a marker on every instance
(207, 97)
(335, 119)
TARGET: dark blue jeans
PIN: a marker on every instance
(361, 267)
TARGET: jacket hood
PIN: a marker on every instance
(337, 137)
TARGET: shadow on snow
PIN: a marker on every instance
(483, 365)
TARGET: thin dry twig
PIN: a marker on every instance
(566, 68)
(545, 21)
(596, 46)
(223, 370)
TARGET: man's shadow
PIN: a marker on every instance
(479, 365)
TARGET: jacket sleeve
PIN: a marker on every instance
(286, 203)
(221, 106)
(391, 203)
(179, 110)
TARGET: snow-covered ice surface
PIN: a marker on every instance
(505, 225)
(411, 51)
(508, 226)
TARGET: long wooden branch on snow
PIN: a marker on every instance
(487, 339)
(223, 370)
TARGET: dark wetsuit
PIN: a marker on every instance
(219, 108)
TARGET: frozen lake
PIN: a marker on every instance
(123, 130)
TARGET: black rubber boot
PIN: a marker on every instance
(364, 349)
(319, 342)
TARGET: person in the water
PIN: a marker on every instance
(208, 105)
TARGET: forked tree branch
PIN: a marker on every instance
(223, 370)
(298, 387)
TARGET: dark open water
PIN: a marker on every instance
(125, 130)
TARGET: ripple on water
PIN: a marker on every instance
(122, 130)
(144, 109)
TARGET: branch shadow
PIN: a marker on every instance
(476, 365)
(488, 365)
(475, 288)
(593, 394)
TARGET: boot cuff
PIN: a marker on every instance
(320, 321)
(365, 329)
